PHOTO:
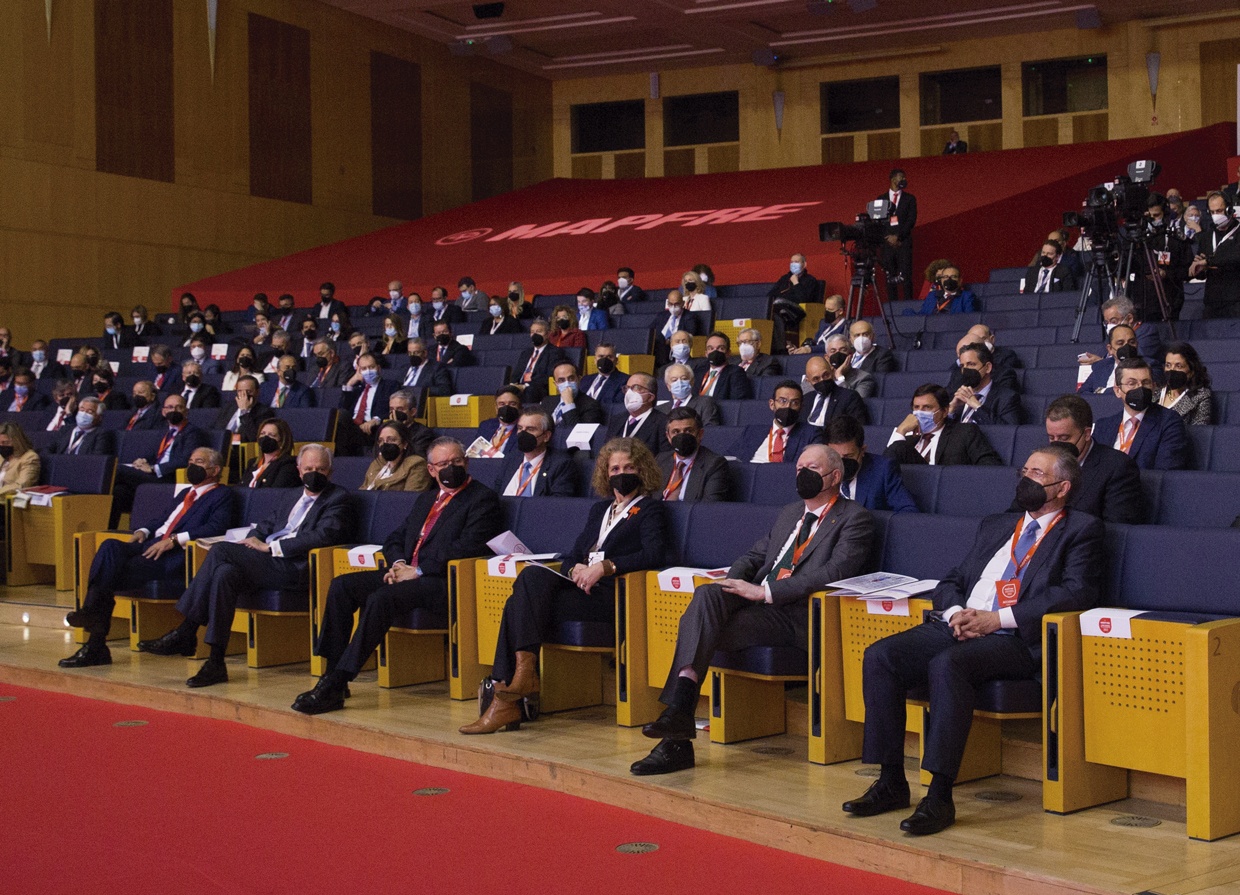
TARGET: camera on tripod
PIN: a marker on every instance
(1116, 208)
(866, 233)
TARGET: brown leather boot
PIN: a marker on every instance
(499, 715)
(524, 680)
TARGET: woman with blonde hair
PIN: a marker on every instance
(564, 332)
(625, 532)
(694, 290)
(19, 461)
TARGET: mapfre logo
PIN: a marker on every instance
(750, 214)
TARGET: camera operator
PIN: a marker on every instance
(897, 253)
(1219, 259)
(1171, 256)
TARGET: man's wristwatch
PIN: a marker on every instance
(609, 567)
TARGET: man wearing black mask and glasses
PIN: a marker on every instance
(762, 602)
(1152, 435)
(986, 625)
(690, 470)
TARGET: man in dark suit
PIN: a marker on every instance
(715, 377)
(329, 370)
(448, 351)
(284, 389)
(454, 521)
(102, 383)
(363, 407)
(90, 438)
(640, 420)
(986, 625)
(328, 305)
(8, 352)
(627, 291)
(691, 471)
(607, 385)
(573, 405)
(796, 285)
(839, 356)
(673, 318)
(1121, 345)
(979, 399)
(444, 309)
(179, 442)
(897, 254)
(286, 316)
(164, 373)
(752, 361)
(1049, 274)
(955, 145)
(1110, 485)
(246, 414)
(535, 364)
(274, 556)
(929, 435)
(787, 435)
(868, 356)
(22, 395)
(501, 430)
(146, 408)
(870, 479)
(680, 381)
(116, 335)
(154, 552)
(424, 373)
(1218, 258)
(762, 602)
(43, 365)
(1153, 436)
(197, 394)
(835, 322)
(831, 400)
(1004, 361)
(402, 407)
(535, 468)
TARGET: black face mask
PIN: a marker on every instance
(400, 416)
(389, 451)
(314, 482)
(310, 334)
(1177, 380)
(691, 287)
(685, 444)
(951, 284)
(716, 358)
(102, 387)
(1126, 352)
(416, 360)
(193, 380)
(625, 483)
(507, 414)
(452, 477)
(6, 451)
(901, 183)
(268, 445)
(289, 376)
(443, 339)
(825, 386)
(195, 474)
(1048, 261)
(514, 296)
(606, 365)
(1139, 399)
(787, 416)
(64, 402)
(851, 468)
(563, 323)
(527, 442)
(537, 339)
(809, 484)
(174, 417)
(320, 362)
(838, 358)
(245, 362)
(1030, 495)
(326, 299)
(970, 377)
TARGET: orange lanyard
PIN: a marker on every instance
(502, 436)
(524, 483)
(1017, 566)
(1126, 443)
(684, 467)
(943, 304)
(797, 551)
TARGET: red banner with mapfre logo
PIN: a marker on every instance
(983, 210)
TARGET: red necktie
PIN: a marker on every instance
(672, 491)
(190, 497)
(777, 446)
(360, 416)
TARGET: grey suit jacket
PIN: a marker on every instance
(843, 546)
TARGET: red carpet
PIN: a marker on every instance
(182, 805)
(985, 210)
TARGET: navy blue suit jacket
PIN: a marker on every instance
(487, 430)
(188, 440)
(612, 391)
(1001, 408)
(1099, 373)
(97, 441)
(1161, 441)
(638, 541)
(802, 434)
(878, 486)
(331, 520)
(35, 400)
(298, 394)
(470, 519)
(384, 389)
(556, 478)
(732, 384)
(844, 402)
(209, 517)
(599, 319)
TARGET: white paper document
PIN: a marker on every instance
(581, 434)
(679, 579)
(1109, 622)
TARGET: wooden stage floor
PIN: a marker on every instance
(764, 790)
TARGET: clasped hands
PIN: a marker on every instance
(968, 624)
(586, 576)
(402, 571)
(157, 548)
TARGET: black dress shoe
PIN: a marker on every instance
(878, 799)
(327, 696)
(171, 644)
(91, 622)
(668, 756)
(213, 671)
(90, 654)
(931, 816)
(673, 724)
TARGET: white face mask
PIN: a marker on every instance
(633, 402)
(584, 309)
(415, 309)
(1109, 327)
(862, 344)
(704, 277)
(138, 321)
(393, 294)
(746, 351)
(464, 294)
(794, 268)
(675, 310)
(622, 283)
(437, 305)
(1220, 218)
(390, 332)
(680, 351)
(680, 389)
(198, 353)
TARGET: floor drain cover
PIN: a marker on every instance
(637, 848)
(1133, 820)
(867, 772)
(432, 791)
(772, 750)
(270, 756)
(997, 795)
(131, 724)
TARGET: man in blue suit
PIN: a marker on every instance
(948, 295)
(588, 316)
(87, 435)
(715, 377)
(1121, 345)
(154, 552)
(607, 385)
(178, 444)
(785, 438)
(870, 479)
(535, 469)
(1152, 435)
(284, 389)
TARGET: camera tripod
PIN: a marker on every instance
(1100, 272)
(860, 287)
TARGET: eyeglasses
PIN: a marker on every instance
(455, 461)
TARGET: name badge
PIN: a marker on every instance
(783, 573)
(1164, 259)
(596, 556)
(1008, 592)
(895, 220)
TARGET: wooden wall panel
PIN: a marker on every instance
(679, 162)
(1219, 59)
(1041, 132)
(1090, 128)
(985, 137)
(133, 89)
(280, 134)
(587, 167)
(490, 140)
(933, 139)
(839, 150)
(883, 146)
(396, 136)
(722, 158)
(630, 165)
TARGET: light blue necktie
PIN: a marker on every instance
(1024, 544)
(528, 491)
(294, 519)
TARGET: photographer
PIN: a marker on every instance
(1171, 258)
(1219, 260)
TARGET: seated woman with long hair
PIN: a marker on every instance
(564, 332)
(1187, 391)
(245, 364)
(394, 467)
(19, 461)
(393, 339)
(625, 532)
(275, 466)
